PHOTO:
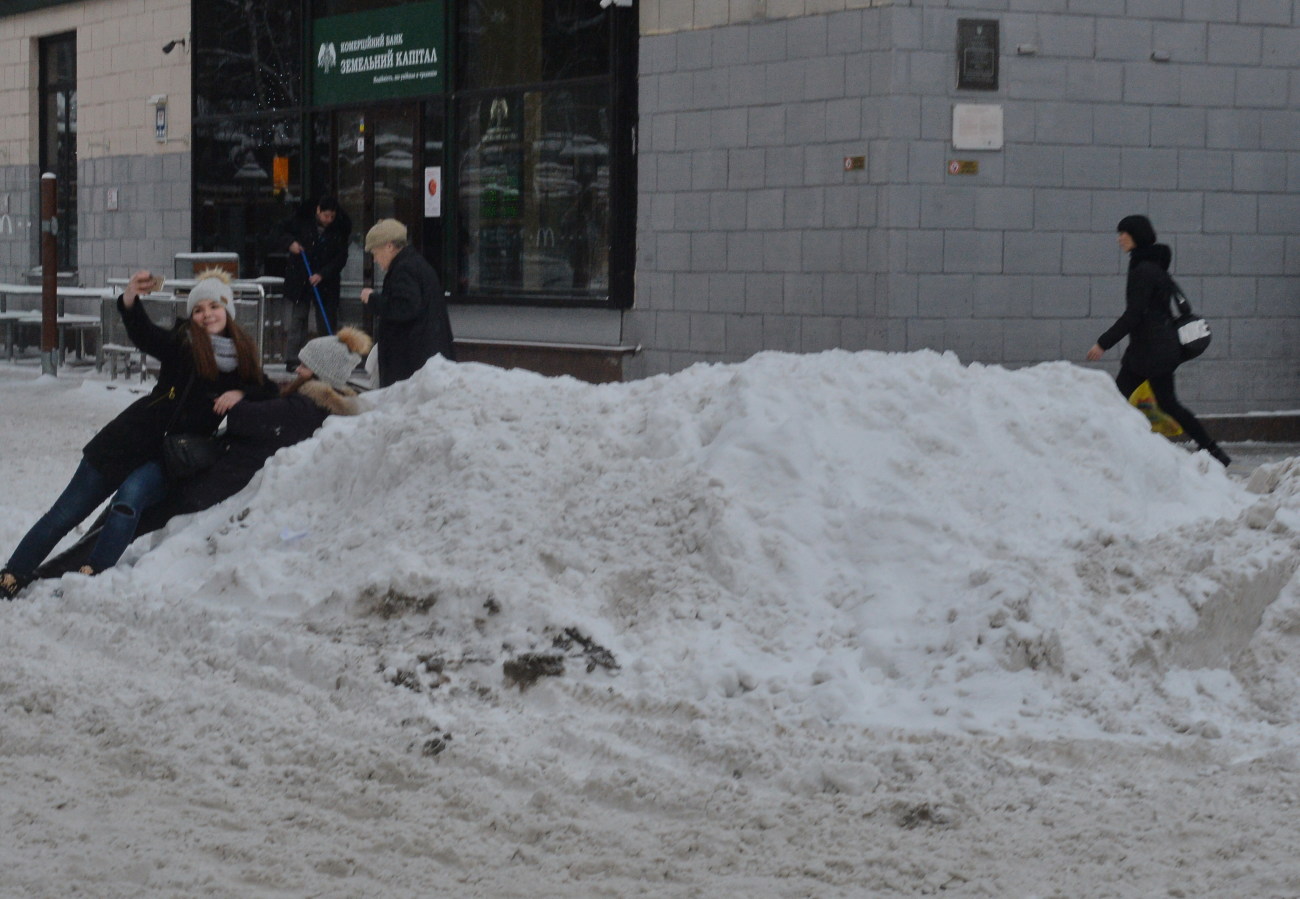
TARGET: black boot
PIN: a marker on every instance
(10, 584)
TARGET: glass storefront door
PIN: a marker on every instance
(378, 173)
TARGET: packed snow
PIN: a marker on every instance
(834, 625)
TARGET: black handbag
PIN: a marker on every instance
(1192, 330)
(186, 455)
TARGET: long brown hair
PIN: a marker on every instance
(247, 359)
(295, 385)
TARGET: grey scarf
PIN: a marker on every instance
(224, 348)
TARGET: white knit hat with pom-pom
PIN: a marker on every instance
(213, 284)
(333, 359)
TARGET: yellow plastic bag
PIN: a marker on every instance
(1161, 423)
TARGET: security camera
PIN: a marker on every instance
(171, 45)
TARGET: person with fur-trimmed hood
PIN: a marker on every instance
(208, 365)
(257, 432)
(254, 433)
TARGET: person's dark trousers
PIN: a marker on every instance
(297, 331)
(1162, 387)
(299, 315)
(78, 554)
(87, 489)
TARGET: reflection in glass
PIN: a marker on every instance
(237, 204)
(247, 56)
(350, 166)
(395, 183)
(58, 143)
(504, 42)
(534, 192)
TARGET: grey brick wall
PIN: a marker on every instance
(752, 236)
(19, 221)
(151, 224)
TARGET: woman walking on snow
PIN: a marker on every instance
(1153, 350)
(207, 364)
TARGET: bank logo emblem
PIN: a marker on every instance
(327, 57)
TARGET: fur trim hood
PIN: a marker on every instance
(335, 402)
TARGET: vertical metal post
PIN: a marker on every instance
(49, 276)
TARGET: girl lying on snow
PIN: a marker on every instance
(207, 366)
(254, 432)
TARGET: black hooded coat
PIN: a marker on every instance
(1147, 321)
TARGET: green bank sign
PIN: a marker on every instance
(393, 52)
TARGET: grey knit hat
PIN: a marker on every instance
(210, 286)
(333, 359)
(385, 231)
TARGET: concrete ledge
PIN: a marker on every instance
(1281, 427)
(596, 364)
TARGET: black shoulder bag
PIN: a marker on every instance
(1192, 330)
(186, 455)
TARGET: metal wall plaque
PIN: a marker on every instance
(977, 54)
(977, 126)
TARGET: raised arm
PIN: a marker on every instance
(147, 336)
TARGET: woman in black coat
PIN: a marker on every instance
(254, 432)
(207, 366)
(413, 324)
(1153, 350)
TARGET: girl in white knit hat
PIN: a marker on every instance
(207, 366)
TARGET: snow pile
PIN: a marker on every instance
(767, 628)
(862, 538)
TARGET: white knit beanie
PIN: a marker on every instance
(211, 288)
(333, 359)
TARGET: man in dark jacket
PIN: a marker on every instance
(317, 239)
(412, 323)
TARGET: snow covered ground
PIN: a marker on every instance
(839, 625)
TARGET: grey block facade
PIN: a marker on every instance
(19, 220)
(150, 225)
(752, 235)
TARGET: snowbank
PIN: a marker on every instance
(858, 575)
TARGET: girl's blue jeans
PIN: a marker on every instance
(88, 488)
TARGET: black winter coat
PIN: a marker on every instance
(254, 433)
(135, 436)
(1153, 347)
(327, 254)
(413, 324)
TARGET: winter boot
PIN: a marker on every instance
(10, 584)
(1217, 452)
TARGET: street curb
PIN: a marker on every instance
(1264, 428)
